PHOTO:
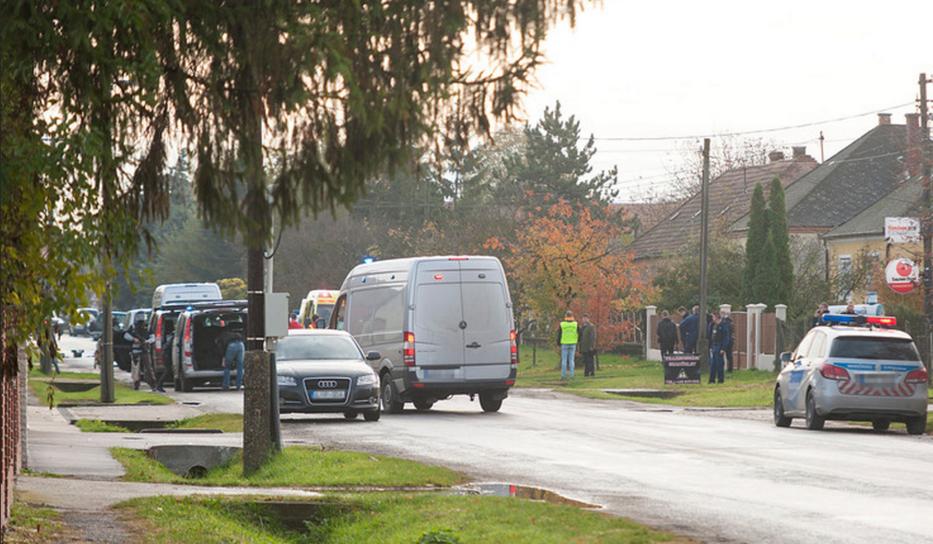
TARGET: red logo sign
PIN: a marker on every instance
(902, 275)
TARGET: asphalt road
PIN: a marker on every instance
(720, 476)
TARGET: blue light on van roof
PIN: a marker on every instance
(369, 259)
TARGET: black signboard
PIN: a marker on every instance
(681, 368)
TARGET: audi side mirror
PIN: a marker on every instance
(373, 356)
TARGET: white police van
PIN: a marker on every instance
(853, 368)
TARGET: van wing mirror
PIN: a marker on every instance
(786, 357)
(373, 356)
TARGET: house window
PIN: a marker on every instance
(845, 265)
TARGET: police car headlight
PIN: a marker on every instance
(286, 380)
(368, 379)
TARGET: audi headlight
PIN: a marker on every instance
(286, 380)
(368, 379)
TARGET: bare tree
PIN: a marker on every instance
(686, 164)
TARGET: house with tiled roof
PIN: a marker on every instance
(729, 199)
(842, 204)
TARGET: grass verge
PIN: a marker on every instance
(98, 426)
(743, 388)
(33, 524)
(122, 394)
(228, 423)
(299, 467)
(407, 518)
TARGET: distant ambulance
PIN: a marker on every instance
(319, 302)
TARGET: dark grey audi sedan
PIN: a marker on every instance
(325, 371)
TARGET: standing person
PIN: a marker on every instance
(719, 336)
(588, 346)
(667, 334)
(821, 310)
(567, 336)
(231, 345)
(850, 309)
(681, 315)
(727, 347)
(690, 330)
(140, 366)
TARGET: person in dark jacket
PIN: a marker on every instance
(690, 330)
(720, 335)
(667, 334)
(587, 346)
(822, 310)
(727, 348)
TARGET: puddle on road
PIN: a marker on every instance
(521, 492)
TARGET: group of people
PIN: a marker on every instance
(573, 336)
(686, 334)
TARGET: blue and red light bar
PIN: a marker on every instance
(848, 319)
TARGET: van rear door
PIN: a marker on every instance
(488, 321)
(438, 317)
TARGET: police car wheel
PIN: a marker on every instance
(814, 421)
(780, 419)
(880, 425)
(917, 425)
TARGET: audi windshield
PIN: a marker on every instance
(310, 348)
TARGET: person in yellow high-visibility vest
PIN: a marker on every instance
(567, 338)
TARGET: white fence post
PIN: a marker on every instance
(650, 311)
(754, 316)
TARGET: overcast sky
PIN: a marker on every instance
(669, 68)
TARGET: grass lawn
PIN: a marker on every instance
(745, 388)
(39, 383)
(33, 524)
(228, 423)
(299, 467)
(410, 518)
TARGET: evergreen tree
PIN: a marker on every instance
(554, 164)
(767, 274)
(754, 245)
(777, 224)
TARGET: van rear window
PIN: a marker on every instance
(873, 347)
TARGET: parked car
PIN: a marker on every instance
(86, 322)
(846, 371)
(325, 371)
(177, 293)
(443, 325)
(196, 354)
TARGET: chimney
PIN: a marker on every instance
(884, 119)
(775, 156)
(913, 159)
(800, 151)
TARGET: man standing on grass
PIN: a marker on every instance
(727, 347)
(567, 337)
(689, 331)
(588, 346)
(719, 336)
(667, 334)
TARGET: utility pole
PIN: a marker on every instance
(926, 157)
(703, 343)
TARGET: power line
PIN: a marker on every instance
(747, 132)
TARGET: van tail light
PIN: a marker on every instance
(513, 349)
(833, 372)
(158, 336)
(408, 348)
(187, 338)
(917, 376)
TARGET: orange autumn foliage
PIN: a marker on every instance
(570, 259)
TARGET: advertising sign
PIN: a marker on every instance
(681, 368)
(902, 275)
(901, 230)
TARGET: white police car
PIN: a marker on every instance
(851, 368)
